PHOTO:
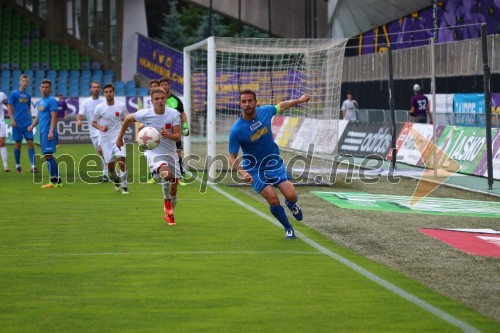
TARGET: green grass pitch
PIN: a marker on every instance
(84, 258)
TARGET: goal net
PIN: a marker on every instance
(217, 69)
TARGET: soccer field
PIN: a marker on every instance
(84, 258)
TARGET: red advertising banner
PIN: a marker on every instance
(477, 243)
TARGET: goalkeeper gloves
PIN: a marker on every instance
(185, 129)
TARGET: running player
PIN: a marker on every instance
(420, 107)
(87, 109)
(20, 118)
(3, 132)
(175, 103)
(163, 159)
(47, 116)
(108, 118)
(154, 83)
(262, 165)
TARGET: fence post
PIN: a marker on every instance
(487, 104)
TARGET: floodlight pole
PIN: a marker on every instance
(393, 111)
(487, 104)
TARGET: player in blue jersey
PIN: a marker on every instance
(19, 106)
(47, 117)
(262, 165)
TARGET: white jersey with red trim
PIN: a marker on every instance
(166, 121)
(111, 116)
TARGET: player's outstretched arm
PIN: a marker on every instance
(233, 160)
(128, 120)
(291, 103)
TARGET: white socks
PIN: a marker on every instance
(3, 152)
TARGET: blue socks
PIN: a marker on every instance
(290, 204)
(53, 169)
(280, 214)
(31, 154)
(17, 156)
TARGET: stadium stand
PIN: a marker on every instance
(24, 49)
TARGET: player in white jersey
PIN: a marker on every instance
(3, 131)
(108, 118)
(163, 159)
(87, 109)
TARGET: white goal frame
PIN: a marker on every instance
(332, 84)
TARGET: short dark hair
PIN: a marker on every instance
(154, 81)
(247, 91)
(47, 81)
(164, 79)
(108, 85)
(92, 82)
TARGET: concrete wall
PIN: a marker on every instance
(134, 22)
(288, 17)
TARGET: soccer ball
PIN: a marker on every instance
(148, 138)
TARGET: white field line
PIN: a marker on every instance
(169, 253)
(369, 275)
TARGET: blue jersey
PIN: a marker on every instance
(21, 103)
(256, 140)
(45, 107)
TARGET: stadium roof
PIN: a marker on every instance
(349, 18)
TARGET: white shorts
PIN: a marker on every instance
(110, 150)
(95, 142)
(155, 161)
(3, 130)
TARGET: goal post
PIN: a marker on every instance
(217, 69)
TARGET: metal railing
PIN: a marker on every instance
(461, 58)
(455, 119)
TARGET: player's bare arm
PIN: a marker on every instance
(128, 120)
(99, 127)
(233, 160)
(174, 136)
(53, 121)
(10, 111)
(79, 119)
(428, 110)
(33, 124)
(183, 117)
(294, 102)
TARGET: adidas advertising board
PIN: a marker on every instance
(366, 139)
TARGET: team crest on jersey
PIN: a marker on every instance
(167, 126)
(117, 113)
(255, 125)
(258, 134)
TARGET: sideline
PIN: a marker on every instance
(369, 275)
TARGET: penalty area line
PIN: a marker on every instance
(357, 268)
